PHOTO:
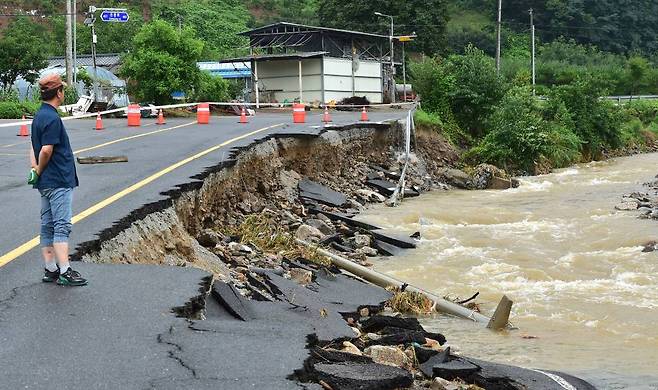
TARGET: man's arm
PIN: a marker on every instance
(44, 158)
(33, 160)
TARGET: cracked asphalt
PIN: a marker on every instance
(119, 331)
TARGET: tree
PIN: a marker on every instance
(428, 18)
(216, 22)
(163, 61)
(638, 70)
(24, 52)
(477, 88)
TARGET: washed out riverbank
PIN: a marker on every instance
(238, 223)
(584, 290)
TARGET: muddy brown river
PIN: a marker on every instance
(572, 264)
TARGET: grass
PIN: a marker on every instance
(408, 302)
(264, 233)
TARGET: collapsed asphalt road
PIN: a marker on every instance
(51, 332)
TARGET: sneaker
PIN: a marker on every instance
(50, 276)
(71, 278)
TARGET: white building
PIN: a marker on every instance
(293, 62)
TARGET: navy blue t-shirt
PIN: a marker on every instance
(48, 129)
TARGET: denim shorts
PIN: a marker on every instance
(56, 213)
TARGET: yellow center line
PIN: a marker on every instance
(12, 255)
(131, 137)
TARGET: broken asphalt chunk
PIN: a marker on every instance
(311, 190)
(387, 188)
(363, 376)
(232, 301)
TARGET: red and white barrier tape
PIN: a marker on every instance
(226, 104)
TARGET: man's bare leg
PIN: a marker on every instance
(61, 250)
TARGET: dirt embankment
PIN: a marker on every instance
(188, 229)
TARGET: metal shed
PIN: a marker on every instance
(317, 64)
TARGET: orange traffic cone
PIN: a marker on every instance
(243, 116)
(326, 118)
(364, 114)
(161, 120)
(99, 122)
(23, 132)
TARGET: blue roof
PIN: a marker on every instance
(232, 70)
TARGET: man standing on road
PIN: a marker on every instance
(53, 174)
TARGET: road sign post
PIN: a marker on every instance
(116, 15)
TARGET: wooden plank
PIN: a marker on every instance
(102, 160)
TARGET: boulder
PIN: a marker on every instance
(367, 251)
(390, 356)
(237, 247)
(209, 238)
(627, 205)
(651, 246)
(370, 196)
(308, 233)
(456, 178)
(351, 348)
(360, 240)
(321, 225)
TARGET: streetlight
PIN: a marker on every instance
(390, 38)
(403, 39)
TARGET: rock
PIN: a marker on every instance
(309, 234)
(651, 246)
(360, 240)
(289, 179)
(390, 356)
(351, 348)
(645, 210)
(209, 238)
(487, 176)
(367, 251)
(370, 196)
(301, 276)
(289, 218)
(324, 218)
(627, 205)
(456, 178)
(237, 247)
(322, 226)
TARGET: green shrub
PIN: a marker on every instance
(597, 123)
(519, 137)
(476, 89)
(645, 110)
(432, 122)
(212, 89)
(11, 110)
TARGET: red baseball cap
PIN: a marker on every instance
(51, 81)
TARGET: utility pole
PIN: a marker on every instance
(390, 39)
(500, 21)
(69, 44)
(532, 62)
(75, 41)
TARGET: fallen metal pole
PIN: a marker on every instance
(384, 281)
